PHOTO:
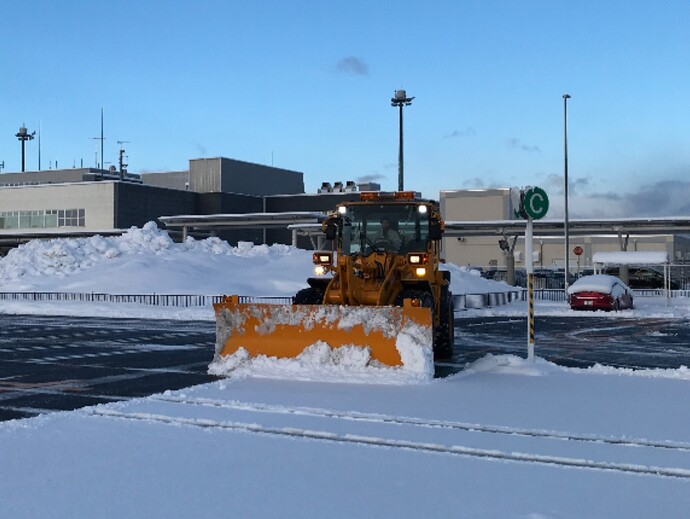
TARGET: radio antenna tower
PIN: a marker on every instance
(123, 166)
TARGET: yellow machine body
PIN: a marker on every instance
(368, 288)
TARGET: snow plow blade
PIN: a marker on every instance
(284, 331)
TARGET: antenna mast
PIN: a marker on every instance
(100, 165)
(123, 166)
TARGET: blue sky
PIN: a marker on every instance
(306, 85)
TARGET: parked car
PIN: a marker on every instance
(600, 292)
(644, 277)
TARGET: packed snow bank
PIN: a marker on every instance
(146, 260)
(514, 365)
(464, 280)
(511, 438)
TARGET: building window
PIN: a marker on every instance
(41, 219)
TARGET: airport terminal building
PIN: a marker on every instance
(87, 201)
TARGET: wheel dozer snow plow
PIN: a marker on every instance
(378, 290)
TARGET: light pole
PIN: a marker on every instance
(400, 99)
(565, 175)
(23, 135)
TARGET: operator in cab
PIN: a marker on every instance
(387, 237)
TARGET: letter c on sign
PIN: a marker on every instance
(536, 203)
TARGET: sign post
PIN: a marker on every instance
(578, 252)
(530, 289)
(534, 205)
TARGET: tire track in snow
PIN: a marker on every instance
(420, 422)
(455, 450)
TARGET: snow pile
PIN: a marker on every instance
(146, 260)
(510, 365)
(321, 363)
(464, 280)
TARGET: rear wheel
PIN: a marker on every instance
(308, 296)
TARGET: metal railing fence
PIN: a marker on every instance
(462, 301)
(176, 300)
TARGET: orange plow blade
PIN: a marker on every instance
(284, 331)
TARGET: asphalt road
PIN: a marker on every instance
(60, 363)
(578, 341)
(63, 363)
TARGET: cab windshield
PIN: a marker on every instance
(398, 228)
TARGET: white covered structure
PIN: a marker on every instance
(656, 258)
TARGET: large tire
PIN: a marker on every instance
(308, 296)
(444, 333)
(444, 336)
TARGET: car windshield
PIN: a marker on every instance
(393, 227)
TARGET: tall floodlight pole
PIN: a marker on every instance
(23, 135)
(102, 139)
(565, 175)
(400, 99)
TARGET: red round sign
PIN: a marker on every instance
(578, 250)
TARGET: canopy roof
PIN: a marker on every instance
(631, 258)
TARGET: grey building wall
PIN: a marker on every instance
(136, 204)
(170, 179)
(307, 202)
(228, 203)
(225, 175)
(231, 203)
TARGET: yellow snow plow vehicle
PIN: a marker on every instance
(378, 283)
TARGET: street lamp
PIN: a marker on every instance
(565, 175)
(23, 135)
(400, 99)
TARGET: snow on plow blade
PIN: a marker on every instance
(392, 335)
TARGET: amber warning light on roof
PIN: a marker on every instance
(379, 195)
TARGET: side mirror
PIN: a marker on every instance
(332, 228)
(435, 230)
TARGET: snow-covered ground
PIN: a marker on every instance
(503, 438)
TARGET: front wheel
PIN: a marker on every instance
(308, 296)
(444, 337)
(443, 334)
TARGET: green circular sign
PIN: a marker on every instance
(536, 203)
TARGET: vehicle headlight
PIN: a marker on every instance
(420, 271)
(417, 259)
(322, 258)
(319, 270)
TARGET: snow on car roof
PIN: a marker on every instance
(602, 283)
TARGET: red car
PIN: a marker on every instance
(600, 292)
